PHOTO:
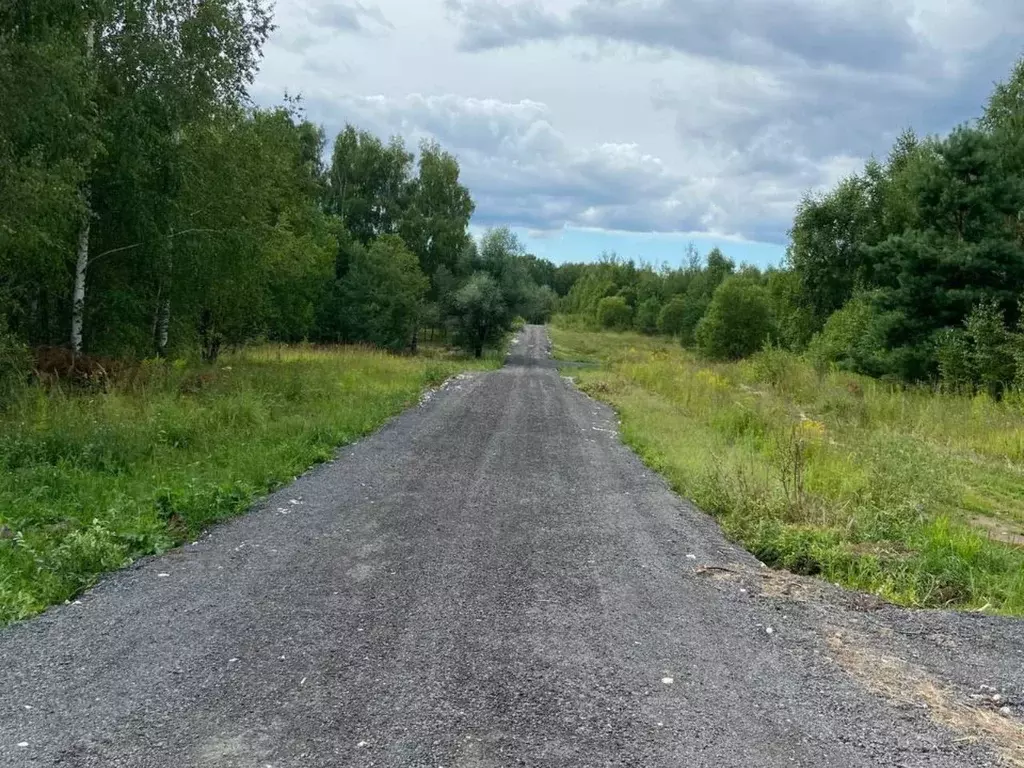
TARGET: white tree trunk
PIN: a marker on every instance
(163, 323)
(81, 268)
(82, 262)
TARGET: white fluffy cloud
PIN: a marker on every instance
(645, 115)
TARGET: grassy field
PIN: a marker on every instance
(91, 481)
(911, 494)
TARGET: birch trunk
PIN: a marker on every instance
(82, 261)
(163, 323)
(81, 269)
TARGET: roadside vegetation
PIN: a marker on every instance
(911, 271)
(160, 238)
(157, 231)
(149, 209)
(91, 480)
(908, 492)
(858, 411)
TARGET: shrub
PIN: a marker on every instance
(481, 313)
(672, 316)
(738, 321)
(953, 349)
(647, 314)
(992, 354)
(614, 313)
(694, 308)
(982, 355)
(854, 339)
(781, 369)
(14, 365)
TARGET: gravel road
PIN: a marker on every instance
(494, 580)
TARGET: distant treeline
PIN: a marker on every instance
(148, 209)
(912, 269)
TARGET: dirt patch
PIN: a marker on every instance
(906, 683)
(783, 585)
(1000, 530)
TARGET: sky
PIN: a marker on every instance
(640, 126)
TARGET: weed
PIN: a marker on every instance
(871, 485)
(93, 479)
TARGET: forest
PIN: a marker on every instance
(855, 412)
(201, 298)
(912, 270)
(189, 280)
(149, 210)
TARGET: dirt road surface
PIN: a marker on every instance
(494, 580)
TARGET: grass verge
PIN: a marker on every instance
(92, 481)
(913, 495)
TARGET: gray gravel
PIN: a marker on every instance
(491, 580)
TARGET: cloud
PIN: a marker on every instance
(871, 34)
(320, 21)
(522, 171)
(776, 95)
(647, 115)
(351, 16)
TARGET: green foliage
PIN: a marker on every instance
(440, 207)
(481, 314)
(199, 223)
(614, 313)
(14, 366)
(827, 240)
(981, 355)
(879, 488)
(796, 321)
(672, 318)
(992, 353)
(853, 339)
(370, 186)
(384, 293)
(647, 315)
(738, 320)
(91, 481)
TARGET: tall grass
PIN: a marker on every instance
(868, 484)
(91, 481)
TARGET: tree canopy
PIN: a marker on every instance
(148, 208)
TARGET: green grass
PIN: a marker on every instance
(867, 484)
(91, 481)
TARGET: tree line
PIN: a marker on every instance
(147, 208)
(912, 269)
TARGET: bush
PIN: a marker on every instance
(384, 292)
(694, 308)
(983, 355)
(853, 339)
(781, 369)
(647, 314)
(14, 365)
(738, 321)
(992, 353)
(481, 314)
(614, 313)
(673, 316)
(953, 349)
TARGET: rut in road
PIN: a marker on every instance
(492, 580)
